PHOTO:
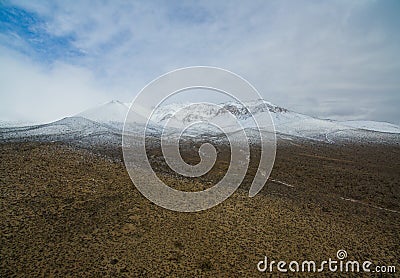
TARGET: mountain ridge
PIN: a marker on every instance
(284, 119)
(106, 122)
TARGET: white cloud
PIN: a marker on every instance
(333, 52)
(35, 93)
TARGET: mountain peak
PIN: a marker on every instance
(113, 111)
(286, 121)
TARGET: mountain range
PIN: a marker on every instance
(107, 120)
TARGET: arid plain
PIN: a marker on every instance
(67, 211)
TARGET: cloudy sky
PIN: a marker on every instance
(331, 59)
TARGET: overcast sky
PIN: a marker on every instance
(331, 59)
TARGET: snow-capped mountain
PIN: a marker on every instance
(74, 127)
(109, 119)
(285, 121)
(113, 111)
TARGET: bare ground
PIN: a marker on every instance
(69, 212)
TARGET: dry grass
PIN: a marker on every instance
(67, 212)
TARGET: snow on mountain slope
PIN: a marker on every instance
(70, 126)
(372, 125)
(295, 124)
(109, 119)
(113, 111)
(285, 121)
